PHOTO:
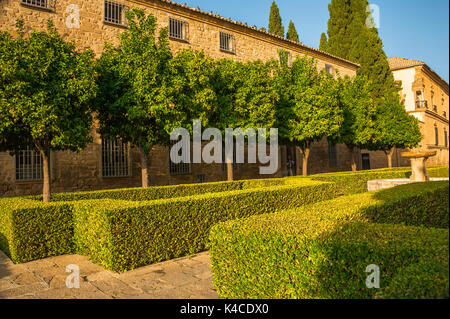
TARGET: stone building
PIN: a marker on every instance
(425, 95)
(111, 164)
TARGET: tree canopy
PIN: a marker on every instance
(46, 86)
(135, 91)
(323, 46)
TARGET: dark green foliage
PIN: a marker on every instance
(275, 23)
(322, 250)
(292, 33)
(323, 46)
(339, 40)
(46, 86)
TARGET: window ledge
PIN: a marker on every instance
(178, 39)
(123, 26)
(227, 51)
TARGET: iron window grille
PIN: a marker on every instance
(227, 42)
(28, 165)
(115, 158)
(178, 29)
(180, 168)
(436, 135)
(115, 13)
(332, 155)
(43, 4)
(329, 69)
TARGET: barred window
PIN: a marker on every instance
(28, 165)
(180, 168)
(115, 13)
(178, 29)
(436, 135)
(227, 42)
(115, 158)
(332, 155)
(329, 69)
(46, 4)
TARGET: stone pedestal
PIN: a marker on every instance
(418, 167)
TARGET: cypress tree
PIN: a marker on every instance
(275, 23)
(339, 41)
(292, 33)
(323, 46)
(350, 38)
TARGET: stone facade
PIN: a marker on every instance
(83, 170)
(425, 96)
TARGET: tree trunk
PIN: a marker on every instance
(389, 155)
(144, 168)
(352, 150)
(305, 156)
(230, 176)
(46, 190)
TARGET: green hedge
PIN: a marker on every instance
(162, 192)
(31, 230)
(356, 182)
(126, 235)
(322, 250)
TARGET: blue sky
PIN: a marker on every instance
(414, 29)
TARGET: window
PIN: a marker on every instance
(178, 29)
(115, 13)
(444, 114)
(332, 155)
(28, 165)
(365, 161)
(227, 42)
(45, 4)
(436, 134)
(329, 69)
(445, 138)
(201, 178)
(115, 158)
(180, 168)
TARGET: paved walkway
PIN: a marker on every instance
(184, 278)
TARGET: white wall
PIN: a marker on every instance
(407, 78)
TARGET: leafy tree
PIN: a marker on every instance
(246, 97)
(323, 42)
(309, 109)
(292, 33)
(45, 89)
(395, 128)
(358, 127)
(134, 101)
(275, 22)
(192, 81)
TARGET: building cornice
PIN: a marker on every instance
(242, 28)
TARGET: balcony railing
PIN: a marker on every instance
(422, 104)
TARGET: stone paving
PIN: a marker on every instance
(184, 278)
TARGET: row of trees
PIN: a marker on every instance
(139, 92)
(276, 24)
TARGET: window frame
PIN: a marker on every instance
(227, 36)
(49, 4)
(184, 28)
(122, 9)
(33, 155)
(110, 151)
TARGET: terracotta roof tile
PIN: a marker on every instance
(396, 63)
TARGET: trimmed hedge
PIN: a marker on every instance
(31, 230)
(123, 235)
(349, 183)
(322, 250)
(163, 192)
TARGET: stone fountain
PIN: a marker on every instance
(418, 168)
